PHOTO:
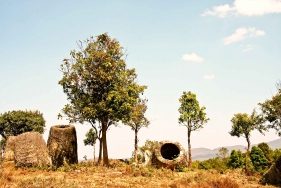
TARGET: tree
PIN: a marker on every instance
(258, 159)
(276, 154)
(91, 138)
(267, 151)
(137, 121)
(236, 159)
(223, 154)
(271, 109)
(243, 125)
(149, 146)
(99, 87)
(13, 123)
(192, 116)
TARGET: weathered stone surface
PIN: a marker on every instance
(9, 149)
(62, 145)
(31, 150)
(169, 154)
(273, 175)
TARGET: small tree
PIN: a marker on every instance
(137, 121)
(236, 159)
(98, 85)
(243, 125)
(267, 151)
(192, 116)
(13, 123)
(271, 109)
(258, 159)
(91, 138)
(149, 145)
(223, 154)
(276, 154)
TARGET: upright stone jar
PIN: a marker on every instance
(62, 145)
(10, 149)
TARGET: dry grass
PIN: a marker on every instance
(120, 175)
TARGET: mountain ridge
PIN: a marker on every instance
(205, 153)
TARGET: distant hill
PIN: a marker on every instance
(275, 144)
(205, 153)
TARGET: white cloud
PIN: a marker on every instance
(192, 57)
(208, 77)
(246, 7)
(241, 33)
(238, 35)
(256, 33)
(220, 11)
(248, 48)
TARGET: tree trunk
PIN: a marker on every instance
(100, 151)
(104, 144)
(136, 146)
(189, 148)
(247, 155)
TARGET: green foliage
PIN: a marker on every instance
(267, 151)
(191, 115)
(98, 85)
(148, 145)
(236, 159)
(276, 154)
(243, 125)
(214, 163)
(137, 120)
(271, 109)
(13, 123)
(91, 137)
(258, 159)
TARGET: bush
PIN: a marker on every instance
(276, 154)
(215, 163)
(267, 151)
(236, 160)
(258, 159)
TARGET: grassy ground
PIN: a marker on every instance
(121, 175)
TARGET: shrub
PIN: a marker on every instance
(236, 159)
(258, 159)
(215, 163)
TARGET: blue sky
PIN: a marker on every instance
(227, 52)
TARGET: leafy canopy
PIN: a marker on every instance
(268, 152)
(258, 159)
(236, 159)
(191, 115)
(13, 123)
(91, 137)
(149, 145)
(99, 86)
(243, 124)
(137, 119)
(97, 83)
(271, 108)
